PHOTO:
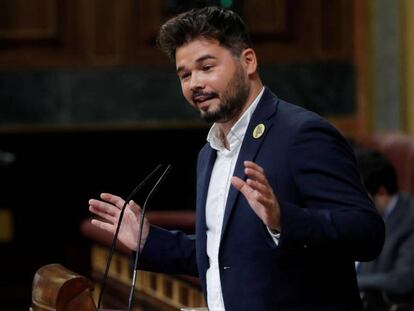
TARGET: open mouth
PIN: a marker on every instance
(201, 100)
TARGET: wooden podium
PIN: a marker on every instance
(57, 288)
(154, 291)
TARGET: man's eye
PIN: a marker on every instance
(207, 67)
(184, 76)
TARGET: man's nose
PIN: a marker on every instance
(196, 82)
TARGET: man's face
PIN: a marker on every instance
(381, 200)
(213, 81)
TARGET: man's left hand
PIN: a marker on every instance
(258, 192)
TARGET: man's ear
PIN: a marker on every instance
(249, 60)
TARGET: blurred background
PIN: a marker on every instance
(88, 104)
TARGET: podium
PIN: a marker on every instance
(154, 291)
(57, 288)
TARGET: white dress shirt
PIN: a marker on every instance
(218, 189)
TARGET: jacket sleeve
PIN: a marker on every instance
(171, 252)
(335, 212)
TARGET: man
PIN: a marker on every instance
(389, 278)
(281, 215)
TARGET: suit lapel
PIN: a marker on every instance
(203, 181)
(207, 159)
(250, 146)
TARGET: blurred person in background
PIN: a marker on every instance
(387, 283)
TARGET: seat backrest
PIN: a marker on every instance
(399, 148)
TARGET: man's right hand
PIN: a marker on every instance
(108, 209)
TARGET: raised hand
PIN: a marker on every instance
(259, 194)
(109, 208)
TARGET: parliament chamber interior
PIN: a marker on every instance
(88, 104)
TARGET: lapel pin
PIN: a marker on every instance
(258, 131)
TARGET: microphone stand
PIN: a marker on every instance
(134, 277)
(121, 215)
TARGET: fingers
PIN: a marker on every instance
(119, 202)
(237, 182)
(255, 172)
(110, 206)
(252, 165)
(108, 209)
(261, 187)
(104, 215)
(250, 194)
(115, 200)
(134, 207)
(102, 207)
(256, 179)
(259, 194)
(103, 225)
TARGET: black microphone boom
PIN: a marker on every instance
(121, 215)
(138, 252)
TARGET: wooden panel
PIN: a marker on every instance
(22, 20)
(336, 27)
(300, 30)
(273, 17)
(362, 61)
(287, 31)
(105, 23)
(172, 290)
(150, 16)
(42, 33)
(407, 12)
(110, 32)
(348, 126)
(107, 33)
(78, 33)
(144, 19)
(6, 225)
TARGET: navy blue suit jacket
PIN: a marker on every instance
(327, 220)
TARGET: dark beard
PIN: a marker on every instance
(234, 99)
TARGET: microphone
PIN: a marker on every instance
(138, 252)
(121, 215)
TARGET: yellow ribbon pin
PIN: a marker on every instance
(258, 131)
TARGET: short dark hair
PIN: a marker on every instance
(376, 171)
(212, 22)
